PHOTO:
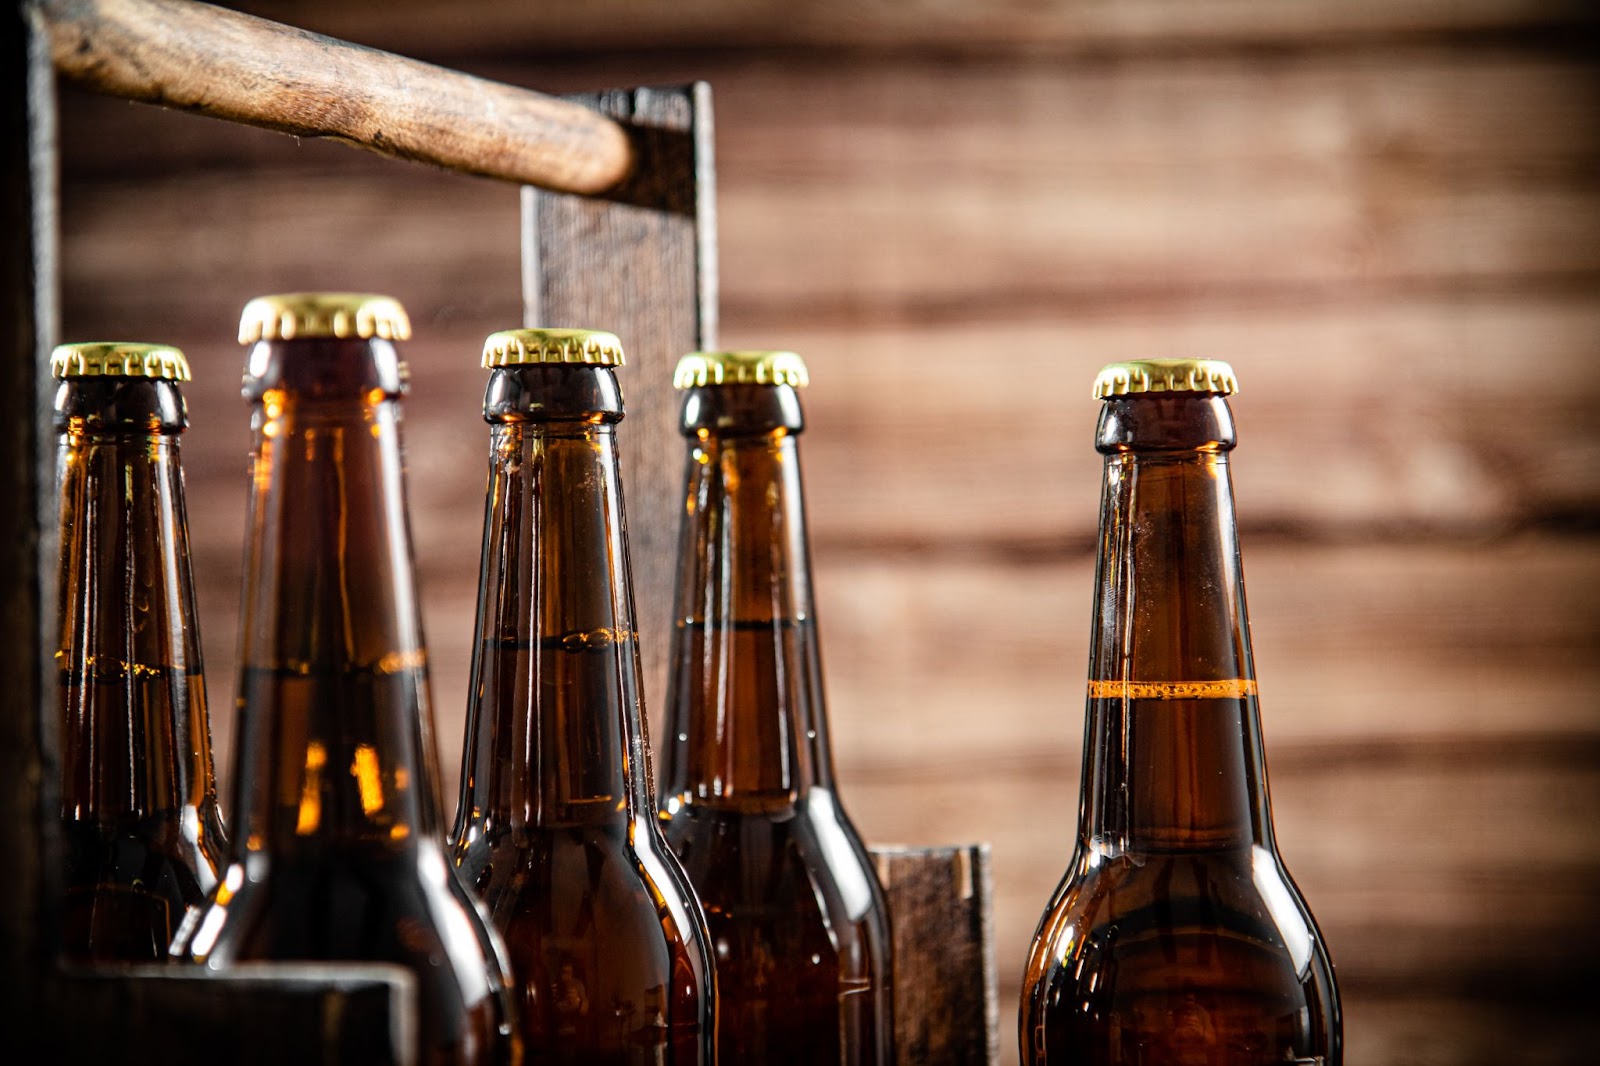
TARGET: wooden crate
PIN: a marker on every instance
(618, 228)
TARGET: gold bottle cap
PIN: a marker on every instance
(116, 359)
(299, 315)
(519, 347)
(1165, 375)
(699, 369)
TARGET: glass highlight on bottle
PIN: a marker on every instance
(339, 853)
(143, 837)
(796, 915)
(556, 828)
(1177, 935)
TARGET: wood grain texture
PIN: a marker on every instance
(1381, 213)
(1073, 27)
(946, 1011)
(874, 195)
(29, 911)
(1498, 430)
(233, 66)
(641, 263)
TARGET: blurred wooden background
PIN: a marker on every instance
(1385, 214)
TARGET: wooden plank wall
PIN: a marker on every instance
(1385, 214)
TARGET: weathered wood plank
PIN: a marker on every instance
(1401, 1028)
(196, 57)
(1323, 457)
(29, 911)
(1097, 28)
(946, 1010)
(1173, 182)
(1496, 393)
(1411, 167)
(1416, 116)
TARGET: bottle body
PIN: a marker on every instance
(339, 852)
(1177, 935)
(795, 912)
(143, 835)
(555, 829)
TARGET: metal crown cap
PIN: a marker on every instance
(699, 369)
(1165, 375)
(119, 359)
(300, 315)
(520, 347)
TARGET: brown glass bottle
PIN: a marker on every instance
(796, 915)
(143, 837)
(339, 852)
(555, 827)
(1177, 936)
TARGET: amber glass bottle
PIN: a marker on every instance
(796, 915)
(339, 853)
(143, 837)
(1177, 937)
(555, 828)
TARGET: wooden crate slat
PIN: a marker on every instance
(28, 273)
(946, 1010)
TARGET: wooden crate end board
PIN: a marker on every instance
(945, 988)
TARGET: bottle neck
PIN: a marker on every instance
(135, 741)
(555, 732)
(749, 724)
(1173, 757)
(338, 746)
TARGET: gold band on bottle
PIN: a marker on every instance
(1165, 375)
(1233, 688)
(343, 315)
(522, 347)
(700, 369)
(118, 359)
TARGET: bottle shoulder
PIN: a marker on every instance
(807, 851)
(347, 904)
(1181, 957)
(529, 867)
(1238, 904)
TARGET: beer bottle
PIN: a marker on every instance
(555, 827)
(339, 852)
(796, 914)
(143, 837)
(1176, 936)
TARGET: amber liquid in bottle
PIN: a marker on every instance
(796, 915)
(1177, 938)
(143, 837)
(339, 848)
(555, 829)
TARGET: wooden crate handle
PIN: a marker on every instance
(196, 57)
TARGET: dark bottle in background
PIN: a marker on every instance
(143, 837)
(1176, 936)
(796, 915)
(556, 827)
(339, 852)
